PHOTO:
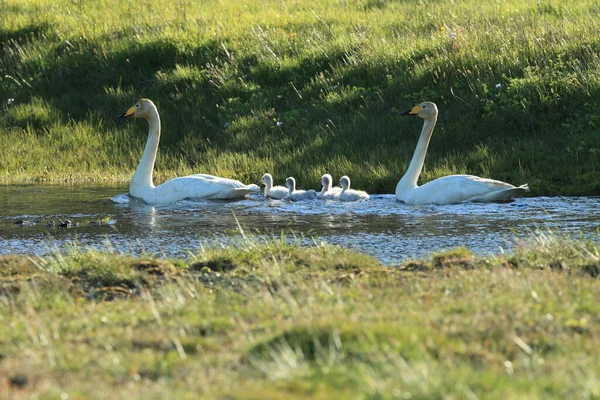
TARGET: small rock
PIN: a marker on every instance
(64, 224)
(18, 381)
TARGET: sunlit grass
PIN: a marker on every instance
(516, 83)
(273, 319)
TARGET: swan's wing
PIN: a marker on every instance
(331, 194)
(298, 195)
(354, 195)
(201, 186)
(458, 188)
(278, 192)
(502, 195)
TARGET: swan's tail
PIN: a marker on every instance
(503, 195)
(242, 191)
(256, 189)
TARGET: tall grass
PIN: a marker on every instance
(277, 320)
(516, 83)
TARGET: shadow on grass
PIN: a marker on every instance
(327, 109)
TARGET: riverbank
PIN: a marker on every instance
(270, 320)
(302, 88)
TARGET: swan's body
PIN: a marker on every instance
(273, 192)
(199, 186)
(348, 194)
(328, 192)
(297, 195)
(448, 189)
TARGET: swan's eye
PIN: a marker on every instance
(137, 105)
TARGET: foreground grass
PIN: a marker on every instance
(274, 320)
(517, 84)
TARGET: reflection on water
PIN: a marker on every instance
(389, 230)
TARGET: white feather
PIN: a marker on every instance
(200, 186)
(448, 189)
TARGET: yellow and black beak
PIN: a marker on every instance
(128, 114)
(413, 111)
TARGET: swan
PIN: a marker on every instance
(199, 186)
(297, 195)
(348, 194)
(448, 189)
(273, 192)
(328, 192)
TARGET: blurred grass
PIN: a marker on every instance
(269, 319)
(516, 83)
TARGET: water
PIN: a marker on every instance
(382, 227)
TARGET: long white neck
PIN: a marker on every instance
(416, 164)
(142, 179)
(292, 188)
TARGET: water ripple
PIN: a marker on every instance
(382, 227)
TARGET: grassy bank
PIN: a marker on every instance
(274, 320)
(517, 84)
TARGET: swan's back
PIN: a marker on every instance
(332, 194)
(353, 195)
(462, 188)
(199, 186)
(278, 192)
(298, 195)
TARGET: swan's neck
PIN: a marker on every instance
(326, 187)
(416, 164)
(292, 188)
(268, 186)
(142, 179)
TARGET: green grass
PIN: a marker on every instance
(517, 84)
(269, 320)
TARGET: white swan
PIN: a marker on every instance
(328, 192)
(297, 195)
(348, 194)
(198, 186)
(448, 189)
(273, 192)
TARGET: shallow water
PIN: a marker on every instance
(382, 227)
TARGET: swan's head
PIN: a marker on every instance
(345, 182)
(290, 183)
(143, 108)
(267, 179)
(425, 110)
(326, 180)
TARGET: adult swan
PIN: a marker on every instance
(448, 189)
(198, 186)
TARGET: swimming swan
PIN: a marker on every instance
(198, 186)
(328, 192)
(348, 194)
(297, 195)
(448, 189)
(273, 192)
